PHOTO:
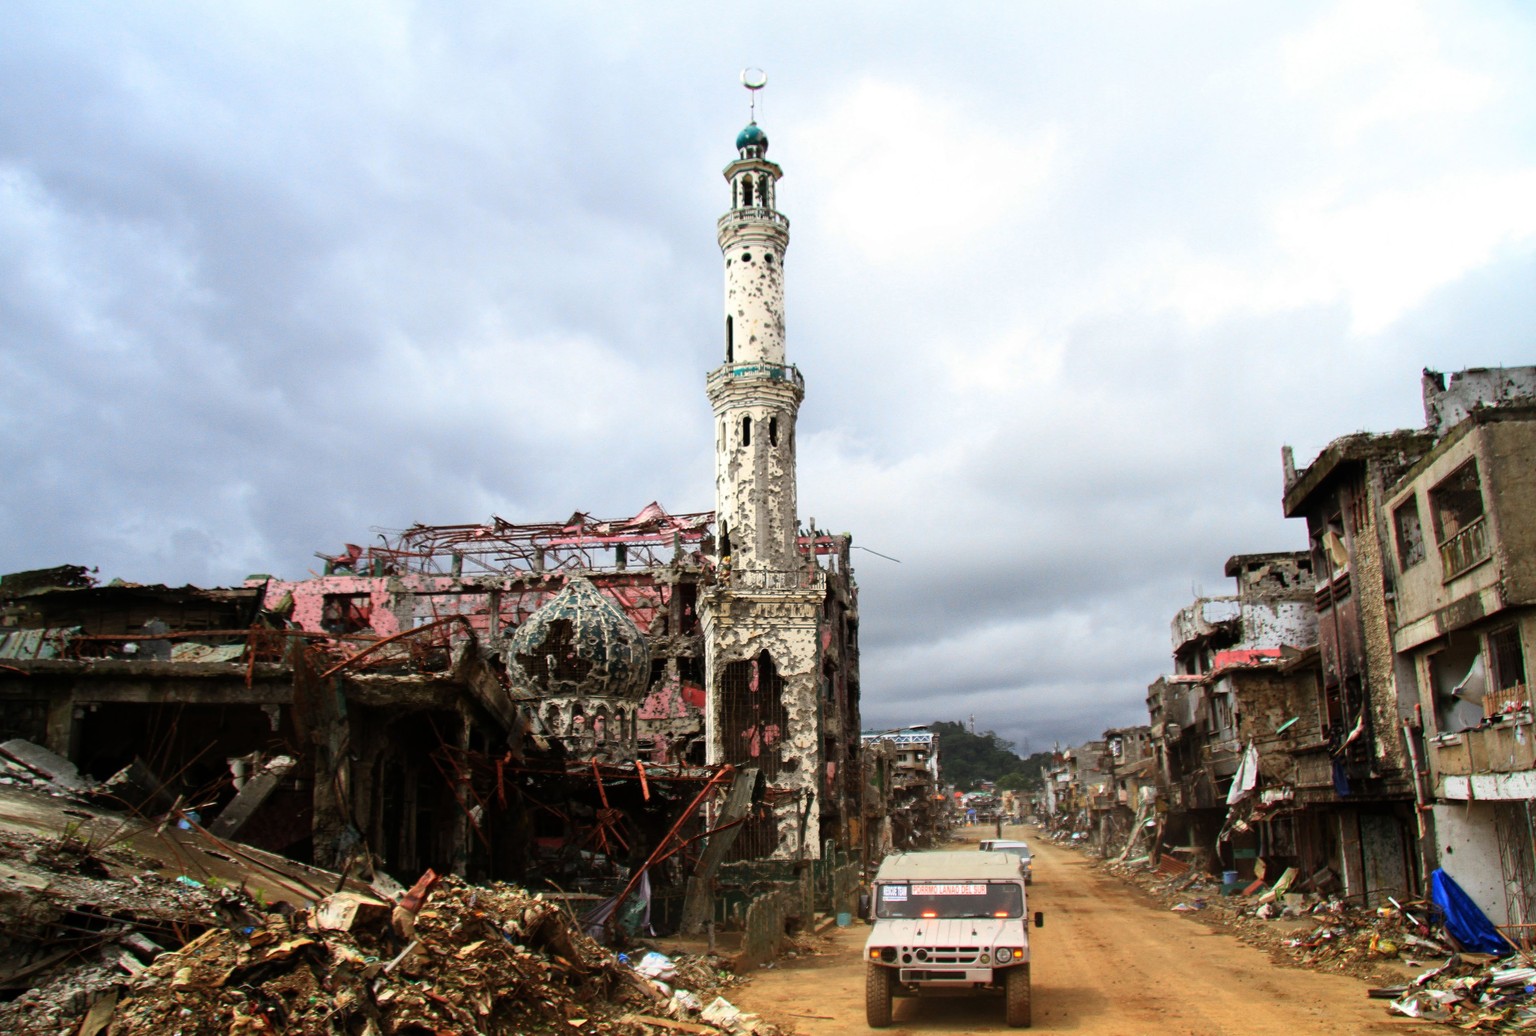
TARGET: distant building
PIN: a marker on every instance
(905, 804)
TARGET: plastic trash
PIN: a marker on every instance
(657, 965)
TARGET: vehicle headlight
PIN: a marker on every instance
(1003, 954)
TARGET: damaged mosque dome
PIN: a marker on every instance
(588, 663)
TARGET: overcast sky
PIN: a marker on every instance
(1063, 278)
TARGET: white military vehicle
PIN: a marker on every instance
(952, 921)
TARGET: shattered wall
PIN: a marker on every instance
(764, 662)
(660, 602)
(1275, 594)
(1205, 618)
(1447, 404)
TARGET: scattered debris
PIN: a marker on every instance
(103, 937)
(1479, 991)
(483, 959)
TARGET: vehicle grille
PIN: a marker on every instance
(948, 955)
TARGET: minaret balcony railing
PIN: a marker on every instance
(773, 579)
(753, 214)
(786, 372)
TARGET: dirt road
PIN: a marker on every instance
(1108, 961)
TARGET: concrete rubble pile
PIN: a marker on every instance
(473, 959)
(480, 959)
(105, 930)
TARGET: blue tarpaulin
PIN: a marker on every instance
(1462, 917)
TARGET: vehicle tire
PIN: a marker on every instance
(1016, 984)
(879, 984)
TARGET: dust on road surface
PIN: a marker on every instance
(1108, 961)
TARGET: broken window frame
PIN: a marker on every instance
(1408, 533)
(1506, 667)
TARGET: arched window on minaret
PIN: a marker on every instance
(773, 431)
(746, 430)
(746, 191)
(730, 340)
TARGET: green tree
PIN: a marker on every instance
(967, 759)
(1028, 775)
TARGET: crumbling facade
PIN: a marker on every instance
(1200, 713)
(1131, 789)
(904, 803)
(1462, 551)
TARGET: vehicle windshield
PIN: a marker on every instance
(949, 899)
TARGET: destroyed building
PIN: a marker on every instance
(564, 704)
(1247, 676)
(1395, 740)
(1078, 789)
(1130, 793)
(1460, 533)
(905, 806)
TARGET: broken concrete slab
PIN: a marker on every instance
(53, 767)
(256, 790)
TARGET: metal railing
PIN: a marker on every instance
(770, 371)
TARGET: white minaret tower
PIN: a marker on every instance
(754, 393)
(763, 617)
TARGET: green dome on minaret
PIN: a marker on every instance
(752, 136)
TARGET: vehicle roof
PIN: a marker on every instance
(947, 864)
(1004, 843)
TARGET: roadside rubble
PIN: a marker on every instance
(1473, 991)
(1416, 966)
(115, 926)
(481, 959)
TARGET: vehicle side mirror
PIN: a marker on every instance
(1039, 919)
